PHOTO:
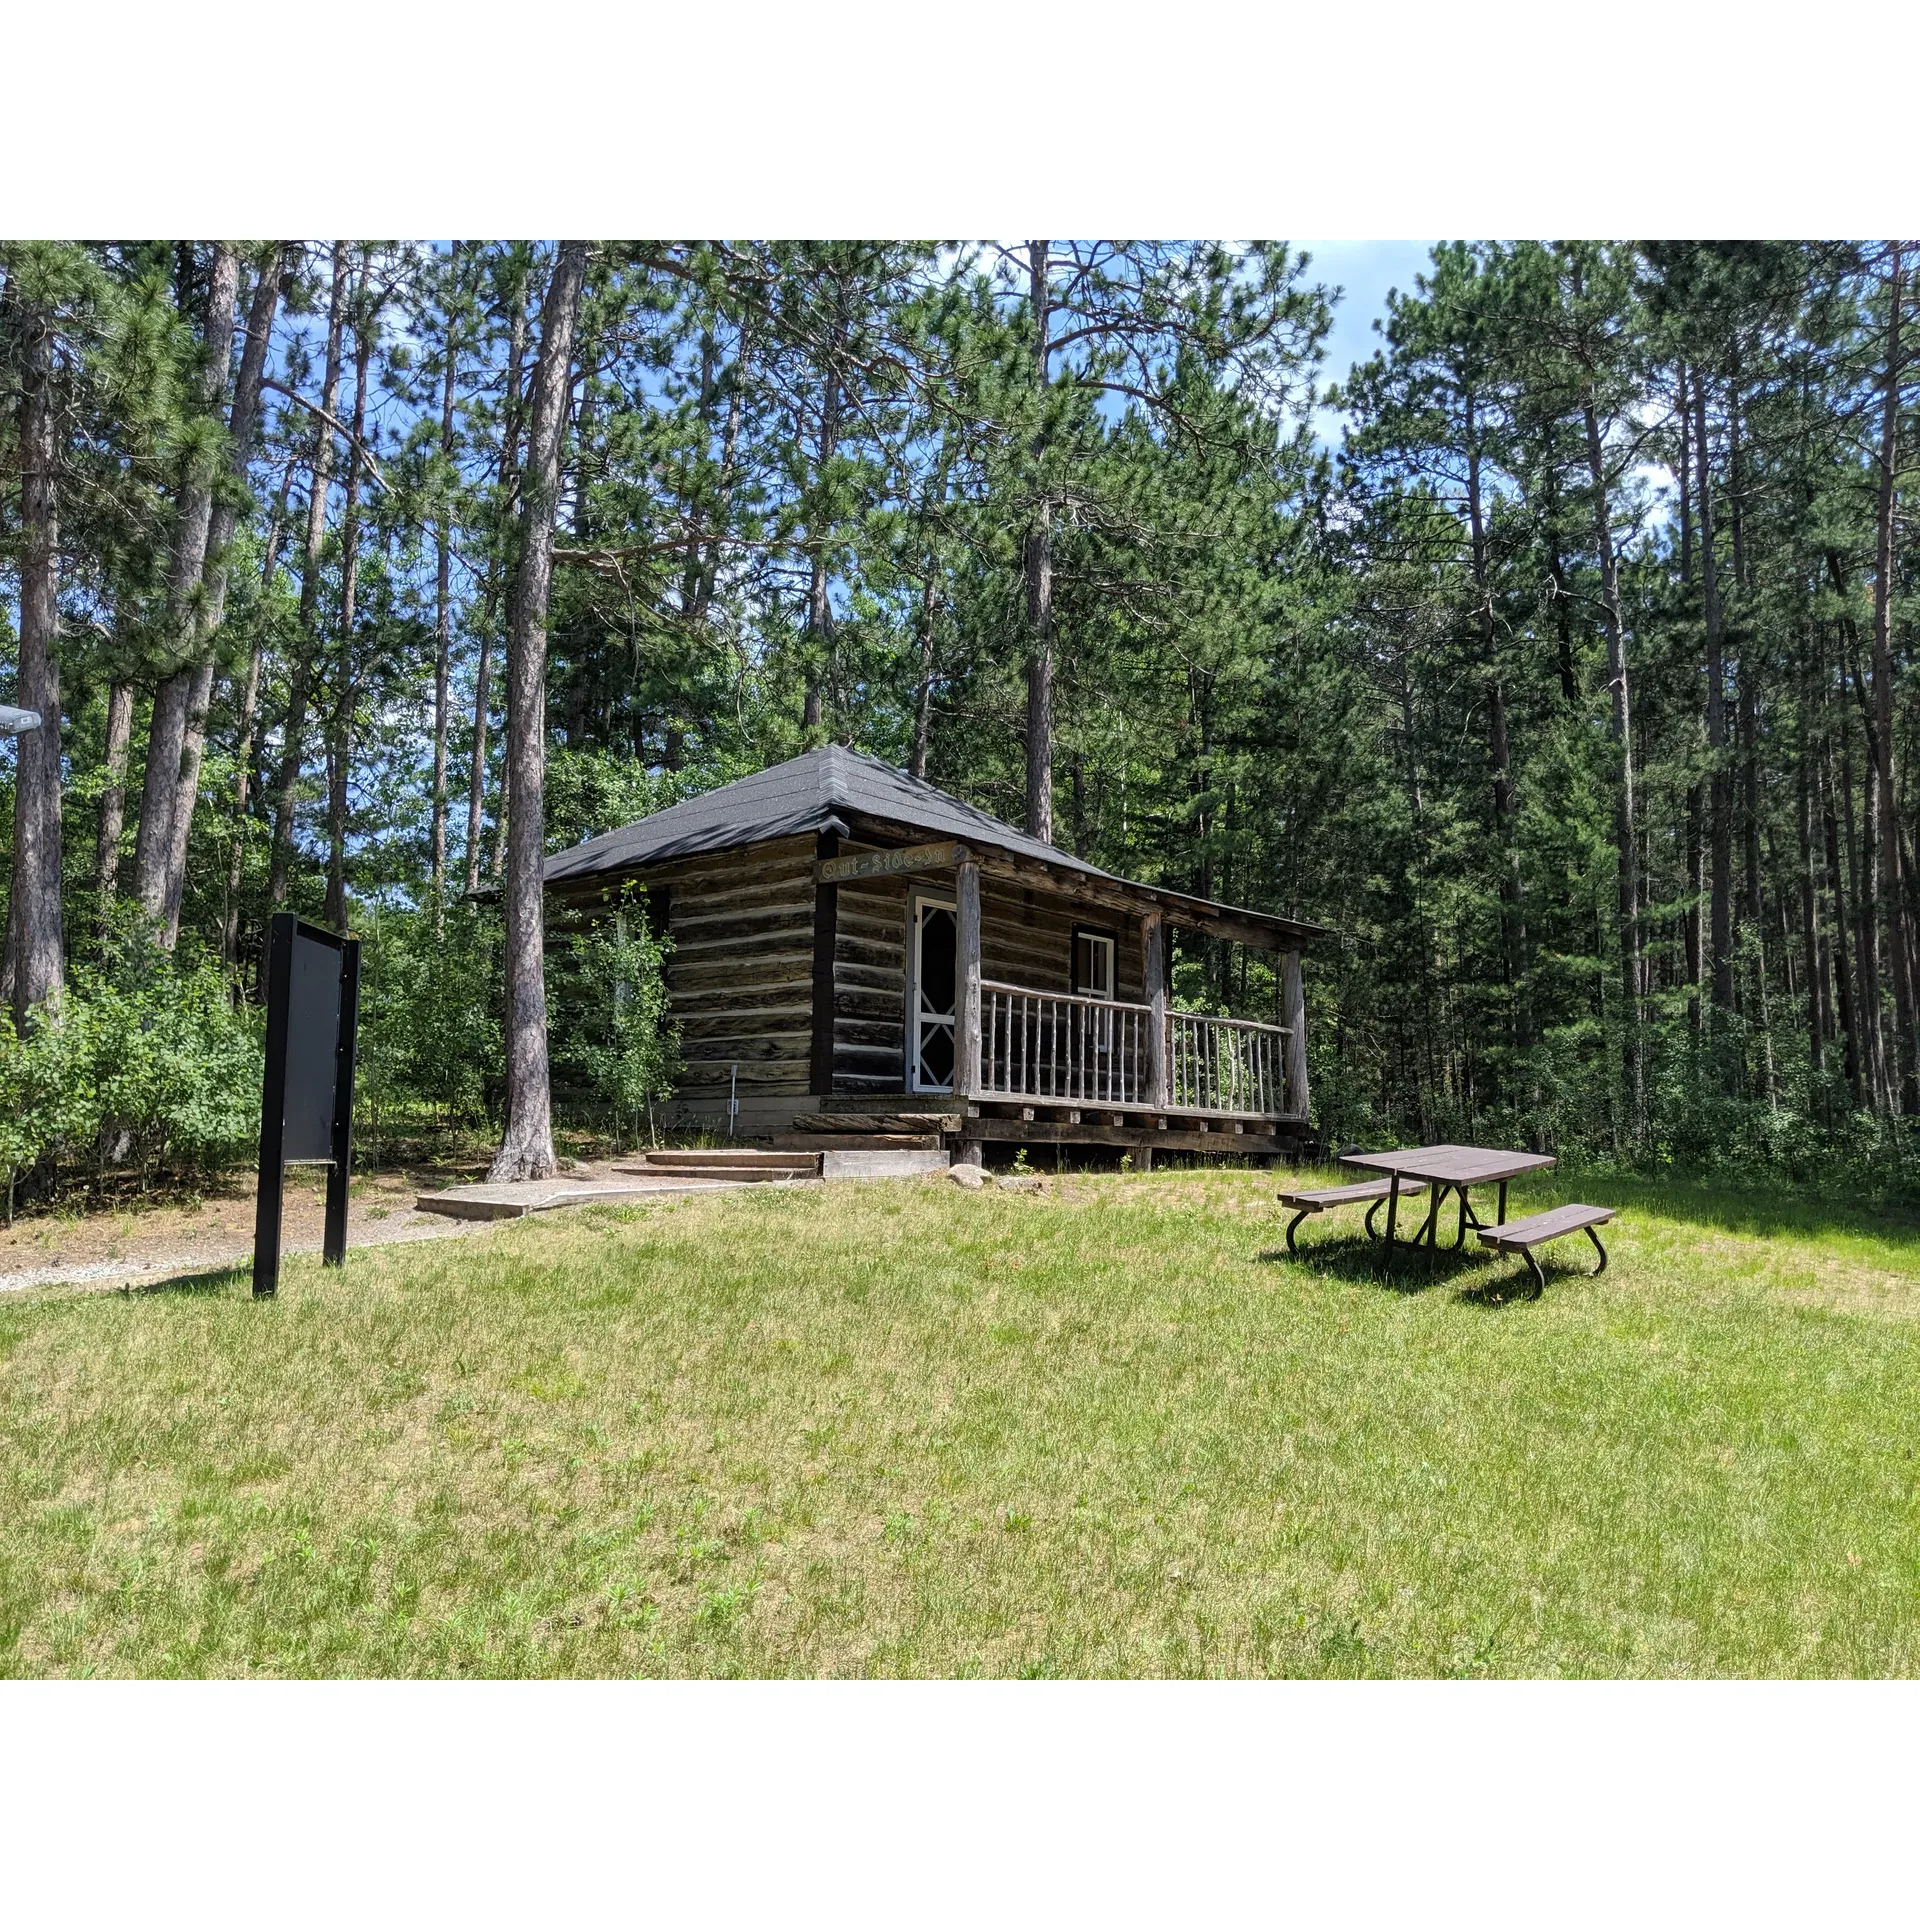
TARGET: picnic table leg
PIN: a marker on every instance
(1502, 1220)
(1393, 1209)
(1293, 1226)
(1600, 1250)
(1430, 1233)
(1460, 1230)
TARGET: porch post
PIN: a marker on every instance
(1295, 1020)
(1153, 973)
(966, 1028)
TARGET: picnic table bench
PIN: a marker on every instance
(1522, 1236)
(1308, 1200)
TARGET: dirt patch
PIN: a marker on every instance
(128, 1243)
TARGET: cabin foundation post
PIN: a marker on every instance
(1294, 1019)
(1153, 975)
(966, 1026)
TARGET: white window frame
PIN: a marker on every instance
(1092, 937)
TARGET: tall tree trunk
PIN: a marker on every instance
(1039, 566)
(243, 744)
(173, 697)
(1505, 800)
(307, 649)
(34, 905)
(1904, 1065)
(346, 684)
(243, 423)
(819, 607)
(1809, 906)
(1696, 887)
(483, 673)
(113, 803)
(526, 1152)
(443, 604)
(1686, 487)
(1842, 945)
(1720, 810)
(923, 684)
(1624, 827)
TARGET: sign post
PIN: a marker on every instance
(306, 1105)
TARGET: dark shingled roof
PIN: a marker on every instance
(816, 793)
(827, 790)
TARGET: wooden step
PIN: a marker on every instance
(837, 1142)
(680, 1158)
(725, 1163)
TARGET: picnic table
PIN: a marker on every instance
(1442, 1168)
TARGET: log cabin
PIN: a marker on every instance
(855, 951)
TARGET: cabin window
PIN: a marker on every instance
(1093, 963)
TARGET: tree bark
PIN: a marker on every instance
(172, 698)
(1905, 1065)
(923, 685)
(1624, 831)
(243, 424)
(1039, 567)
(1720, 786)
(483, 672)
(1505, 800)
(443, 603)
(1841, 944)
(113, 802)
(34, 905)
(243, 744)
(526, 1152)
(346, 682)
(301, 680)
(819, 607)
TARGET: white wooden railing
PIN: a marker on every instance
(1078, 1051)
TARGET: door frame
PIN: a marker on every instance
(917, 898)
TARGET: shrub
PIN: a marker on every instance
(149, 1068)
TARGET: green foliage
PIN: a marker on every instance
(430, 1011)
(152, 1071)
(610, 1025)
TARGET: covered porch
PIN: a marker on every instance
(1017, 1033)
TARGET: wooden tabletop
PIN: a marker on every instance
(1456, 1166)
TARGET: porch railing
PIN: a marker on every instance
(1075, 1050)
(1225, 1066)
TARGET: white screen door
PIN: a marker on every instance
(931, 996)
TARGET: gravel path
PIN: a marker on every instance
(161, 1264)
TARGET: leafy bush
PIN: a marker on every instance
(430, 1016)
(150, 1069)
(607, 1006)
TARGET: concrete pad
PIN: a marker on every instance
(511, 1199)
(891, 1165)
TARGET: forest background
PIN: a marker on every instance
(1570, 682)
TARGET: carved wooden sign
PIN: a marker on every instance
(867, 866)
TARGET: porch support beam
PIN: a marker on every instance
(1153, 975)
(1294, 1018)
(966, 1027)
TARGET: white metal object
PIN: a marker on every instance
(18, 720)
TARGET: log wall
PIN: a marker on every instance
(1026, 940)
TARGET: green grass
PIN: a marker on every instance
(900, 1429)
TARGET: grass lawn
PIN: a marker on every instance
(900, 1429)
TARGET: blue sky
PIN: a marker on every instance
(1365, 269)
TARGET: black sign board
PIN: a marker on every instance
(306, 1106)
